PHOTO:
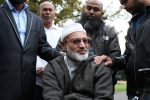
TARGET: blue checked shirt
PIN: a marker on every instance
(20, 19)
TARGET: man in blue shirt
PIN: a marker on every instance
(20, 18)
(22, 38)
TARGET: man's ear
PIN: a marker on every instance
(102, 12)
(62, 45)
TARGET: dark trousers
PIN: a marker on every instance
(38, 93)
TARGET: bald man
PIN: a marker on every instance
(104, 38)
(53, 32)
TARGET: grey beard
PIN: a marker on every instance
(76, 56)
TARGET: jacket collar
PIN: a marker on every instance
(67, 78)
(55, 27)
(12, 21)
(81, 65)
(79, 70)
(136, 16)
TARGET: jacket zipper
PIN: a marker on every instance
(135, 77)
(135, 61)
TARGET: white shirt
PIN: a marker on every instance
(20, 19)
(53, 34)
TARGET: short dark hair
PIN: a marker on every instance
(123, 2)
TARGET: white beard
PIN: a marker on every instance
(76, 56)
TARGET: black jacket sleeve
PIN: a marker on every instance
(121, 61)
(45, 51)
(113, 46)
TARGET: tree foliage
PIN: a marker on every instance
(65, 9)
(71, 9)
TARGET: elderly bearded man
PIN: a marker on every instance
(75, 76)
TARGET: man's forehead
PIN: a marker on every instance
(46, 5)
(77, 35)
(94, 2)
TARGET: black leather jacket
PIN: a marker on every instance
(136, 59)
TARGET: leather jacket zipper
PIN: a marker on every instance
(137, 92)
(135, 77)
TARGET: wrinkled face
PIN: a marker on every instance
(93, 9)
(16, 2)
(76, 46)
(47, 12)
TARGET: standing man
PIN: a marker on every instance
(22, 37)
(47, 13)
(136, 58)
(104, 38)
(53, 32)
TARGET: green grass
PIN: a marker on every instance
(120, 87)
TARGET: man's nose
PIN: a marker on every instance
(47, 11)
(91, 11)
(82, 45)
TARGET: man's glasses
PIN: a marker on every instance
(123, 2)
(95, 9)
(78, 41)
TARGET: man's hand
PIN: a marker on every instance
(40, 71)
(103, 58)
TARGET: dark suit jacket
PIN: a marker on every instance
(17, 62)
